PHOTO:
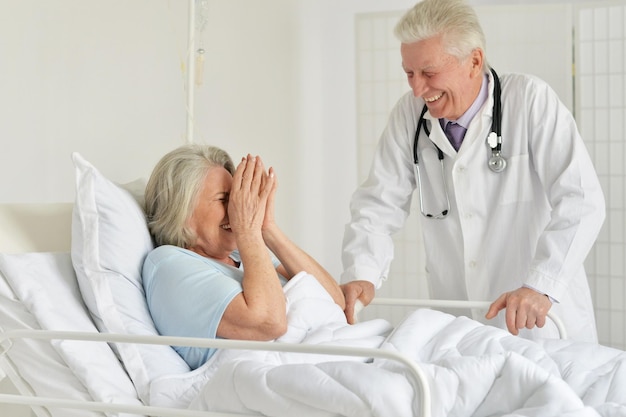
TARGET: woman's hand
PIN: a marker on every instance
(249, 195)
(259, 312)
(292, 258)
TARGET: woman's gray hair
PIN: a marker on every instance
(173, 188)
(455, 20)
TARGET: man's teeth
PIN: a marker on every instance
(225, 226)
(431, 99)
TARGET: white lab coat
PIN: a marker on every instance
(532, 224)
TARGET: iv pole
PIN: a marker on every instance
(191, 68)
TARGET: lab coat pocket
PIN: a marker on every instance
(516, 184)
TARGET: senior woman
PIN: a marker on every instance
(220, 259)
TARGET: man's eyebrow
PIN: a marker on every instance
(424, 68)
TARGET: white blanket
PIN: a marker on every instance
(474, 370)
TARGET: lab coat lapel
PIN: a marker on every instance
(480, 126)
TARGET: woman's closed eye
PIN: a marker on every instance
(222, 198)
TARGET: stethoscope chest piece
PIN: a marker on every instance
(496, 162)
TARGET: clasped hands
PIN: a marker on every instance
(251, 199)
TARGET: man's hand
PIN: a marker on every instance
(361, 290)
(525, 308)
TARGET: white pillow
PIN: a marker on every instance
(110, 240)
(42, 282)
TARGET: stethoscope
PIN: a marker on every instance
(496, 161)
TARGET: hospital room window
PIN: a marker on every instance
(545, 40)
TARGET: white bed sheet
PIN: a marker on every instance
(474, 370)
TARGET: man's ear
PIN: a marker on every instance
(478, 58)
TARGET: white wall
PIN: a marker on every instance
(101, 78)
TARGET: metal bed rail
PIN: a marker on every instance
(417, 375)
(457, 304)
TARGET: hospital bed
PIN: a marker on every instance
(37, 233)
(54, 352)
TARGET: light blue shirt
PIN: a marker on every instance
(187, 295)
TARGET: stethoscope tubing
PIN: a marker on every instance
(495, 162)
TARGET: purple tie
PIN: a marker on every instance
(455, 133)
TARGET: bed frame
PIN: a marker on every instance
(46, 228)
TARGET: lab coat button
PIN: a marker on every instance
(472, 264)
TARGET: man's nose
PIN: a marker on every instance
(418, 85)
